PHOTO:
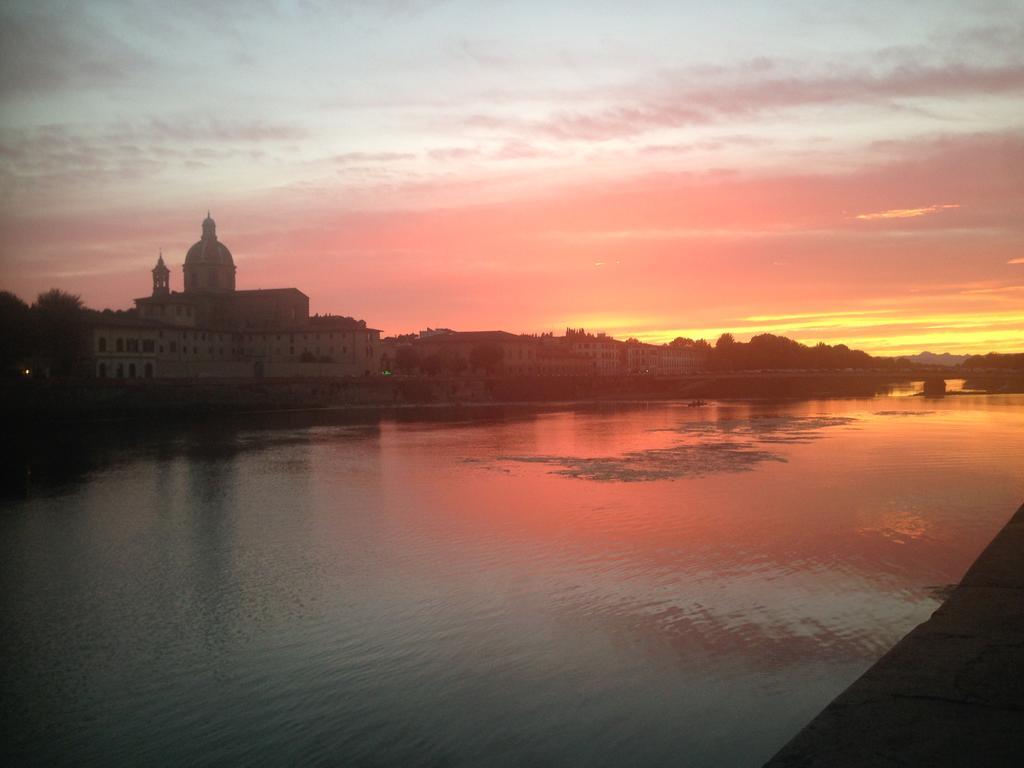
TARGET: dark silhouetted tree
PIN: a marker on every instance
(995, 360)
(16, 332)
(59, 321)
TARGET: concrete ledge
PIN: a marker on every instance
(950, 693)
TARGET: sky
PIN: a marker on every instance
(829, 171)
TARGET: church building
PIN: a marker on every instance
(211, 329)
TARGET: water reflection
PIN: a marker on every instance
(482, 587)
(714, 445)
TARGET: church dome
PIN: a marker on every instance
(209, 250)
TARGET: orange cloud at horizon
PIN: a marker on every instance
(905, 213)
(710, 252)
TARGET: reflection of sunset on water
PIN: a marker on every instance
(588, 577)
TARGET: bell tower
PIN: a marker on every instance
(161, 277)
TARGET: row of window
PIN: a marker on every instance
(127, 345)
(122, 371)
(149, 346)
(153, 310)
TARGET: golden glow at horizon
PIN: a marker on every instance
(876, 331)
(905, 213)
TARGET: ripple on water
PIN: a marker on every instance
(723, 445)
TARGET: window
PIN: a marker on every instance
(102, 344)
(147, 345)
(103, 371)
(174, 347)
(149, 370)
(131, 370)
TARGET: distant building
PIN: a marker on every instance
(661, 359)
(512, 355)
(497, 352)
(577, 353)
(213, 330)
(676, 359)
(606, 354)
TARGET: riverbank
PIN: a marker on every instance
(42, 401)
(951, 693)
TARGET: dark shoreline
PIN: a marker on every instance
(32, 402)
(950, 693)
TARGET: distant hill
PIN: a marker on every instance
(931, 358)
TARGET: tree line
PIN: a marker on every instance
(51, 328)
(995, 360)
(768, 351)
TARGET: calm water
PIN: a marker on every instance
(609, 586)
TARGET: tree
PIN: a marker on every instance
(16, 332)
(59, 324)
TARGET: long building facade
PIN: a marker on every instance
(212, 329)
(577, 353)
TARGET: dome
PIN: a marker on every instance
(209, 250)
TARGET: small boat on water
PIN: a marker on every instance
(696, 403)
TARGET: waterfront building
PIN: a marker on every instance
(677, 359)
(497, 352)
(504, 353)
(577, 353)
(212, 329)
(605, 353)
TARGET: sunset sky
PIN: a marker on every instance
(825, 170)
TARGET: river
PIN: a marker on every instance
(636, 584)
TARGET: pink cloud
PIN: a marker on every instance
(678, 102)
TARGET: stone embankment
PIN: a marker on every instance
(951, 693)
(32, 401)
(90, 399)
